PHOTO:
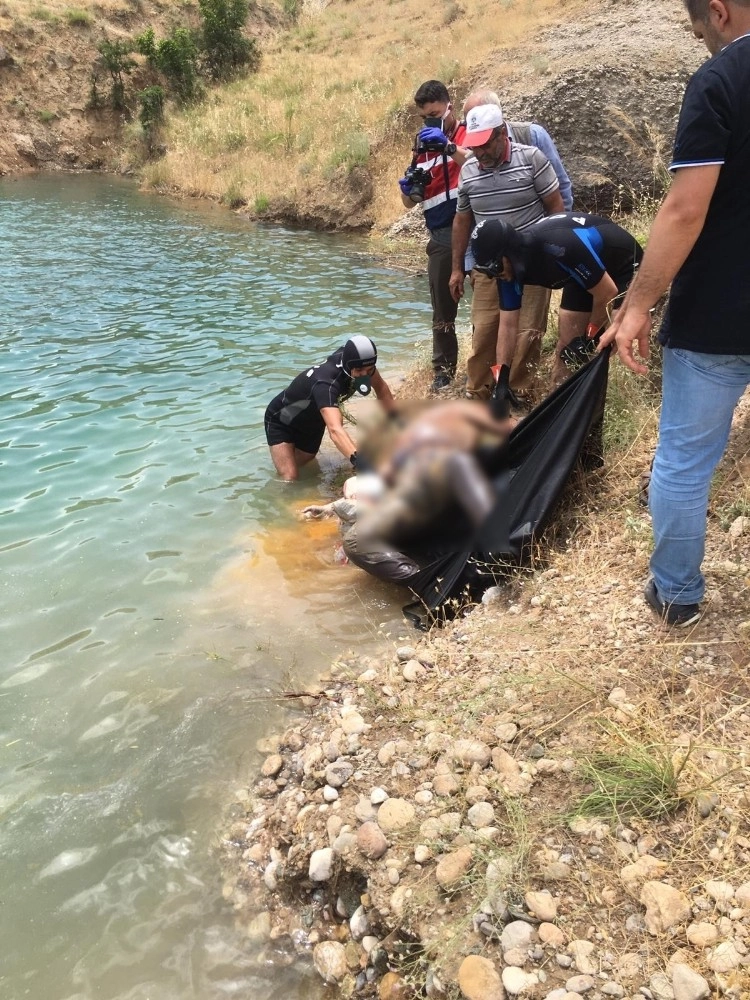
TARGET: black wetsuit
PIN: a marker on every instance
(294, 415)
(572, 251)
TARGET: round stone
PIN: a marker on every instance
(371, 841)
(329, 959)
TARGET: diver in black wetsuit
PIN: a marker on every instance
(590, 257)
(297, 418)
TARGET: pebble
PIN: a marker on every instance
(476, 793)
(581, 951)
(724, 957)
(422, 853)
(330, 794)
(445, 784)
(371, 841)
(552, 935)
(270, 873)
(452, 868)
(413, 671)
(478, 979)
(272, 765)
(378, 796)
(259, 928)
(564, 961)
(688, 984)
(359, 925)
(665, 907)
(404, 653)
(369, 942)
(541, 904)
(321, 865)
(480, 815)
(392, 987)
(613, 990)
(346, 841)
(364, 810)
(423, 797)
(702, 934)
(395, 814)
(468, 752)
(339, 772)
(579, 984)
(661, 987)
(517, 981)
(721, 892)
(352, 722)
(329, 959)
(506, 732)
(517, 934)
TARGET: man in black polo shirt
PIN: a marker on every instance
(590, 257)
(297, 418)
(699, 239)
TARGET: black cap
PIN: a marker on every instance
(492, 240)
(358, 352)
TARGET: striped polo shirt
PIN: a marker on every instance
(512, 192)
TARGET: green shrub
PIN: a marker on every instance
(145, 43)
(177, 58)
(151, 101)
(261, 204)
(78, 17)
(225, 49)
(117, 61)
(233, 196)
(292, 9)
(46, 116)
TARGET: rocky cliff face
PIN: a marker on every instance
(608, 88)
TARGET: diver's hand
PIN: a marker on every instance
(503, 396)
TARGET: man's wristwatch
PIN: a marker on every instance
(450, 148)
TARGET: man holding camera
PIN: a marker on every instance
(432, 180)
(508, 181)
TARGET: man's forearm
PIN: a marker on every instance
(463, 223)
(342, 441)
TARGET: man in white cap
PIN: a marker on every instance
(513, 183)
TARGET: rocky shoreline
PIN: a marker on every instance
(421, 831)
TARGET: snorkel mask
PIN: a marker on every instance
(359, 352)
(362, 384)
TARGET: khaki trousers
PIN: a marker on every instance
(485, 320)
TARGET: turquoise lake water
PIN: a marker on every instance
(157, 589)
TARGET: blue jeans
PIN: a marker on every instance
(700, 393)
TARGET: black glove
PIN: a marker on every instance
(360, 463)
(503, 397)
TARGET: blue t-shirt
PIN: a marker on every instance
(709, 304)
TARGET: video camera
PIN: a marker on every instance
(418, 176)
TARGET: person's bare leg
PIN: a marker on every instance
(302, 457)
(569, 326)
(283, 457)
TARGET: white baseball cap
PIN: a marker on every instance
(480, 123)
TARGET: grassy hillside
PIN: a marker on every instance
(333, 94)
